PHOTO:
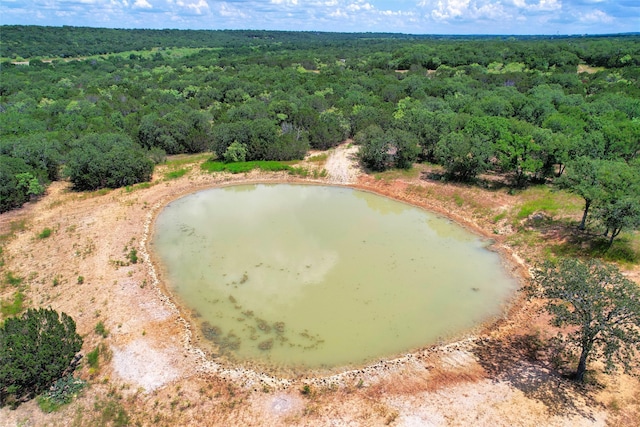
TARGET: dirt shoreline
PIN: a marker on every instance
(153, 369)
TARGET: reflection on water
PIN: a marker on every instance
(322, 276)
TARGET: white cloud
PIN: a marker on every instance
(142, 4)
(231, 12)
(338, 13)
(197, 8)
(355, 7)
(448, 9)
(595, 17)
(467, 9)
(542, 5)
(409, 16)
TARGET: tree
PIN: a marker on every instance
(463, 156)
(598, 309)
(35, 350)
(374, 150)
(18, 182)
(581, 178)
(386, 149)
(235, 152)
(620, 204)
(107, 160)
(518, 153)
(618, 214)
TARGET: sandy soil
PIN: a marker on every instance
(151, 370)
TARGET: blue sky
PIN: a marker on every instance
(400, 16)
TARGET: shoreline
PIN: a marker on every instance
(150, 360)
(251, 372)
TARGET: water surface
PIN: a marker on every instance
(311, 276)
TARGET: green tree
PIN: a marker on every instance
(235, 152)
(107, 160)
(463, 156)
(35, 350)
(518, 153)
(29, 184)
(619, 214)
(374, 149)
(18, 182)
(581, 177)
(597, 306)
(405, 145)
(620, 204)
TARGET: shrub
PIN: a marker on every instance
(133, 256)
(93, 358)
(107, 161)
(235, 152)
(45, 233)
(35, 350)
(60, 393)
(101, 330)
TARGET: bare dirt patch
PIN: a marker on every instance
(156, 375)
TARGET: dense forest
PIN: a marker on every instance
(100, 106)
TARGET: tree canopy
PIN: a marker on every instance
(35, 350)
(598, 309)
(521, 107)
(107, 160)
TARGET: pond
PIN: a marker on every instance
(306, 277)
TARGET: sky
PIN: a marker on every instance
(400, 16)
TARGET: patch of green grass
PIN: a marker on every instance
(140, 186)
(93, 358)
(458, 200)
(111, 413)
(318, 158)
(45, 233)
(12, 280)
(19, 225)
(9, 309)
(543, 198)
(499, 217)
(241, 167)
(394, 174)
(547, 205)
(175, 174)
(299, 171)
(625, 249)
(101, 330)
(176, 162)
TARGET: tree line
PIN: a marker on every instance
(564, 110)
(514, 106)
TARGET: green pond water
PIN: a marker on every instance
(303, 276)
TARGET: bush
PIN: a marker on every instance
(61, 393)
(93, 358)
(235, 152)
(36, 349)
(45, 233)
(18, 182)
(101, 330)
(107, 161)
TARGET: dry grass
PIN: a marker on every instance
(435, 377)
